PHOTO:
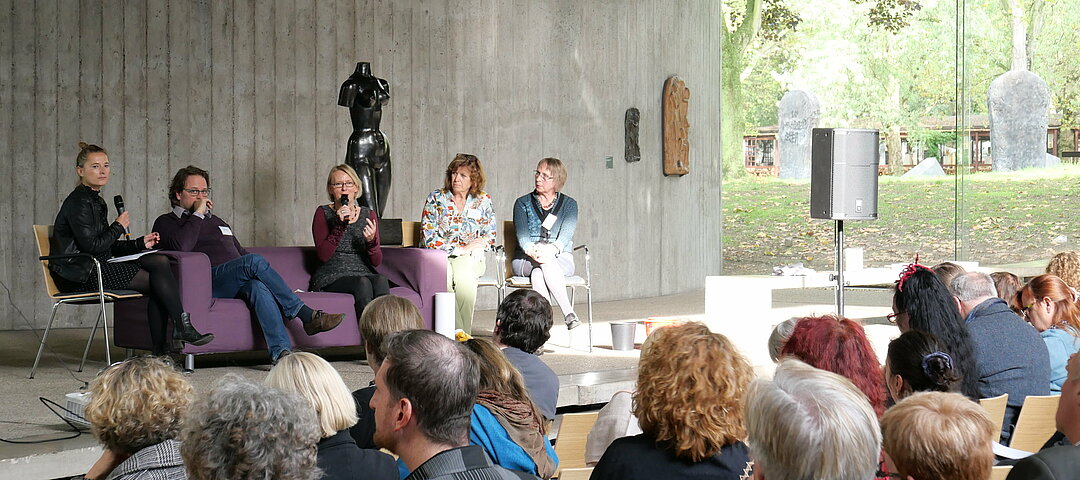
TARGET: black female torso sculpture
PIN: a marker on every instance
(368, 152)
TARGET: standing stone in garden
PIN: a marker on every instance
(1019, 102)
(799, 112)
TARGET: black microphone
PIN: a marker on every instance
(119, 202)
(345, 202)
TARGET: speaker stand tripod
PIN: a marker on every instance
(839, 277)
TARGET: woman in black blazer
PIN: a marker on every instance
(81, 227)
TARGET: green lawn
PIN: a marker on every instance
(1010, 217)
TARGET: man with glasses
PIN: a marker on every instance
(1010, 357)
(235, 273)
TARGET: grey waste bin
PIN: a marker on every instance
(622, 335)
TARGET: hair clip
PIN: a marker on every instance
(926, 360)
(908, 272)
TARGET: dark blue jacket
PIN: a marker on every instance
(1009, 354)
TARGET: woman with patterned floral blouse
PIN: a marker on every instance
(459, 219)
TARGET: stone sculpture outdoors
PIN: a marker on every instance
(368, 152)
(676, 127)
(1019, 102)
(799, 114)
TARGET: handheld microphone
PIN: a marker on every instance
(119, 202)
(344, 202)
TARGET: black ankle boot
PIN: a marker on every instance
(184, 332)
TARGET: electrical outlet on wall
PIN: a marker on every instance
(609, 162)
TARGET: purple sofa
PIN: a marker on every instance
(414, 273)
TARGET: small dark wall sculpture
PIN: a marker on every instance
(676, 127)
(633, 150)
(368, 152)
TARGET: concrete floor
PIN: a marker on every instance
(587, 378)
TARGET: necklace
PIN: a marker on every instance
(547, 206)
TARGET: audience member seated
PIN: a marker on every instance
(1066, 266)
(424, 394)
(921, 302)
(383, 316)
(947, 271)
(459, 219)
(1010, 358)
(134, 411)
(689, 402)
(1006, 285)
(918, 362)
(240, 430)
(1049, 305)
(522, 327)
(544, 221)
(320, 384)
(1063, 462)
(938, 436)
(190, 227)
(347, 241)
(505, 421)
(839, 345)
(779, 336)
(810, 423)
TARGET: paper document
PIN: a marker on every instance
(128, 258)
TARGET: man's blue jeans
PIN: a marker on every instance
(251, 279)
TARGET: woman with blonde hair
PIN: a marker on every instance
(544, 221)
(689, 403)
(459, 219)
(1049, 305)
(320, 384)
(505, 421)
(1066, 266)
(135, 411)
(347, 242)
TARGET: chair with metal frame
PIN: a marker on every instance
(43, 234)
(574, 282)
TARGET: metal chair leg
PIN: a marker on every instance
(189, 362)
(44, 337)
(588, 294)
(89, 341)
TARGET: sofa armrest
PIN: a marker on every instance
(193, 277)
(422, 270)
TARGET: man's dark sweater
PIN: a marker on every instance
(192, 233)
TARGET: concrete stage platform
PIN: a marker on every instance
(587, 379)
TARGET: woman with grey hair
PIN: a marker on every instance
(241, 430)
(811, 423)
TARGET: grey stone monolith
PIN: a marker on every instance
(929, 167)
(1018, 101)
(799, 113)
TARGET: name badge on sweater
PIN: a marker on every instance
(473, 213)
(225, 230)
(550, 221)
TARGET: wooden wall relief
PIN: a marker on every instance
(676, 127)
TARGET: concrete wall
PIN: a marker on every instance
(248, 90)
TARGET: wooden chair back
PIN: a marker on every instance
(43, 234)
(510, 245)
(995, 409)
(570, 444)
(576, 473)
(410, 234)
(1035, 425)
(999, 473)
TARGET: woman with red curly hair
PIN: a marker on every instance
(839, 345)
(689, 404)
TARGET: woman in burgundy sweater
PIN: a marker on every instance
(347, 241)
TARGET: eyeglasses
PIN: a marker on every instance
(343, 184)
(881, 474)
(194, 192)
(892, 317)
(1024, 311)
(543, 176)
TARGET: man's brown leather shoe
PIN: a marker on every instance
(322, 321)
